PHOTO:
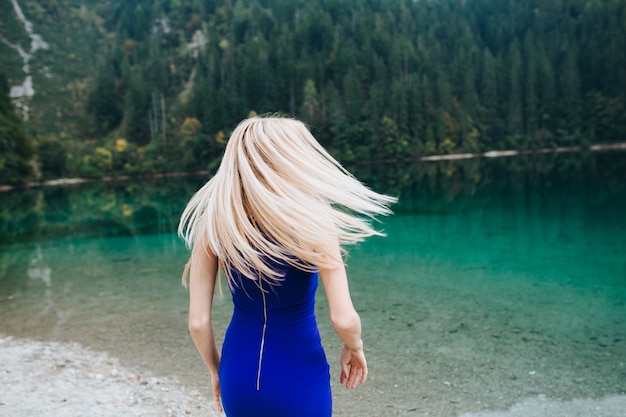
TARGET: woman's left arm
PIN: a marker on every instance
(202, 279)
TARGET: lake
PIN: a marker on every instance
(499, 280)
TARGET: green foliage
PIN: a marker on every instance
(16, 149)
(52, 158)
(136, 124)
(103, 101)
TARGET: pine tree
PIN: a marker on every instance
(530, 89)
(137, 107)
(569, 87)
(104, 103)
(514, 116)
(16, 149)
(489, 86)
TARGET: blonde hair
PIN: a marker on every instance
(278, 196)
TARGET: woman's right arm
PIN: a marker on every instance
(345, 319)
(202, 278)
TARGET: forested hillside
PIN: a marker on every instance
(158, 85)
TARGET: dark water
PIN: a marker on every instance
(499, 280)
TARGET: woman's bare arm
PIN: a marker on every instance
(202, 279)
(345, 319)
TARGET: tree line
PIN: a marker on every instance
(374, 79)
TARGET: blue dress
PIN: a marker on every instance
(273, 363)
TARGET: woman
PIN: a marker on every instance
(273, 219)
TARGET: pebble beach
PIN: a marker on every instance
(68, 380)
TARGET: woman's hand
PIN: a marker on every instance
(215, 385)
(353, 367)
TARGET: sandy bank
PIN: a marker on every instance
(541, 406)
(67, 380)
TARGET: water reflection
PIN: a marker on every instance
(452, 186)
(132, 208)
(58, 313)
(38, 269)
(93, 210)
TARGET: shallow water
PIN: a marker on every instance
(499, 280)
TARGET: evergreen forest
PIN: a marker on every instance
(156, 86)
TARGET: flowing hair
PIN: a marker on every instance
(278, 196)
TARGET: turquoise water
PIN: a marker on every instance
(499, 280)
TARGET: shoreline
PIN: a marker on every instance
(72, 181)
(621, 146)
(67, 379)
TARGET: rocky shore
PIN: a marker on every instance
(67, 380)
